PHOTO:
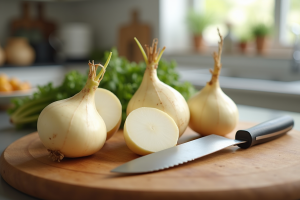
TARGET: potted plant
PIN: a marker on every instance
(197, 22)
(243, 43)
(261, 32)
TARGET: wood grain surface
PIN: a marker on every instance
(266, 171)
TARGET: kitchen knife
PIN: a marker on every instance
(194, 149)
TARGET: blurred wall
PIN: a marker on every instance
(173, 31)
(105, 17)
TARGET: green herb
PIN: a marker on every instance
(122, 78)
(260, 30)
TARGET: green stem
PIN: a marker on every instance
(105, 66)
(160, 54)
(35, 109)
(29, 104)
(26, 120)
(142, 50)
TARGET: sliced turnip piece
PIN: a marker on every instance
(149, 130)
(110, 109)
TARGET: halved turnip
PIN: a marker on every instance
(149, 130)
(110, 109)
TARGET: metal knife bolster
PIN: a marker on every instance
(264, 132)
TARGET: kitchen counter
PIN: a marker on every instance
(9, 134)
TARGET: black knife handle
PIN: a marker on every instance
(265, 131)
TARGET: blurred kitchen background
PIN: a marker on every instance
(42, 40)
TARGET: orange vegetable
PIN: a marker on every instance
(23, 86)
(3, 78)
(14, 82)
(5, 87)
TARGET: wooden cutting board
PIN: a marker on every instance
(266, 171)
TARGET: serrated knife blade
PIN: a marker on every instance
(194, 149)
(176, 155)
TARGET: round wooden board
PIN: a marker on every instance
(266, 171)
